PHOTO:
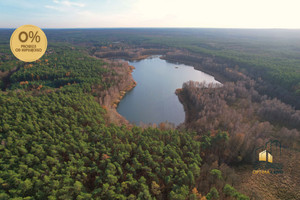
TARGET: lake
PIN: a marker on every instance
(153, 100)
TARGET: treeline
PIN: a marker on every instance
(268, 55)
(228, 70)
(275, 59)
(272, 55)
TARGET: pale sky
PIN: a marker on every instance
(151, 13)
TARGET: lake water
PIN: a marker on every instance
(153, 100)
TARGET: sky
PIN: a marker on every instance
(151, 13)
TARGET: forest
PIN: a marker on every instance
(272, 55)
(57, 143)
(61, 138)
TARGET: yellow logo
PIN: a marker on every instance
(265, 163)
(265, 156)
(28, 43)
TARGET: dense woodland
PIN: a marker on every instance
(268, 55)
(272, 55)
(248, 118)
(58, 140)
(57, 145)
(232, 120)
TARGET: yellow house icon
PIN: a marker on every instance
(265, 156)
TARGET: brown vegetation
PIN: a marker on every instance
(242, 112)
(112, 96)
(238, 120)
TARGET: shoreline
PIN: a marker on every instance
(217, 76)
(116, 95)
(128, 89)
(110, 98)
